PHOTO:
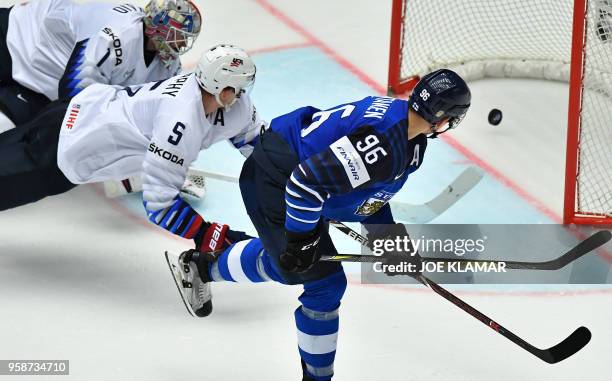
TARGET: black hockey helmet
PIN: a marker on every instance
(441, 94)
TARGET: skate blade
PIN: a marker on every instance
(172, 261)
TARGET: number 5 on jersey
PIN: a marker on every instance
(178, 134)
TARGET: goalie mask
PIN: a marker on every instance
(225, 66)
(173, 26)
(440, 95)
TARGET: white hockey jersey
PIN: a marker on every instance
(84, 43)
(156, 129)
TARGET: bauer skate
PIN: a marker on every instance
(194, 291)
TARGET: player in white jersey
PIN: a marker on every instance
(51, 49)
(157, 129)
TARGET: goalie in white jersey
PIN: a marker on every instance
(157, 129)
(52, 49)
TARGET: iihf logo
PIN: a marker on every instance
(72, 116)
(236, 62)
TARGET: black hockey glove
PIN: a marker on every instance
(302, 250)
(401, 259)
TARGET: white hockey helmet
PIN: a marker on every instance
(225, 66)
(173, 26)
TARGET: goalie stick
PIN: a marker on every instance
(412, 213)
(586, 246)
(566, 348)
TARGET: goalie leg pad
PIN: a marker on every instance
(114, 188)
(192, 188)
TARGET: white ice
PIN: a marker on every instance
(83, 277)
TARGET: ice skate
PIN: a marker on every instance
(194, 291)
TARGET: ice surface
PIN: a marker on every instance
(83, 277)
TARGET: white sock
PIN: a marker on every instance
(5, 123)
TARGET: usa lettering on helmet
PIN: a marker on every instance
(173, 26)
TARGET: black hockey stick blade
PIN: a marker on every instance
(596, 240)
(572, 344)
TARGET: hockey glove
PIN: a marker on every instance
(404, 257)
(302, 250)
(213, 238)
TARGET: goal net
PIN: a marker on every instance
(560, 40)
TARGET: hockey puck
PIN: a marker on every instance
(495, 116)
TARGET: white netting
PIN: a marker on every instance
(523, 38)
(595, 144)
(195, 184)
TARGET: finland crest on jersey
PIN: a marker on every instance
(374, 203)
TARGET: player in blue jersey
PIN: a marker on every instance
(312, 166)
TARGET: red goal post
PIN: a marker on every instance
(562, 40)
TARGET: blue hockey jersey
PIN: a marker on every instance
(353, 159)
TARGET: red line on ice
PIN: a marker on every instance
(321, 45)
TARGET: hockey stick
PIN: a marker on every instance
(566, 348)
(591, 243)
(412, 213)
(215, 175)
(422, 214)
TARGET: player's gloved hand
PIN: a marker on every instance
(401, 259)
(302, 250)
(211, 241)
(213, 238)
